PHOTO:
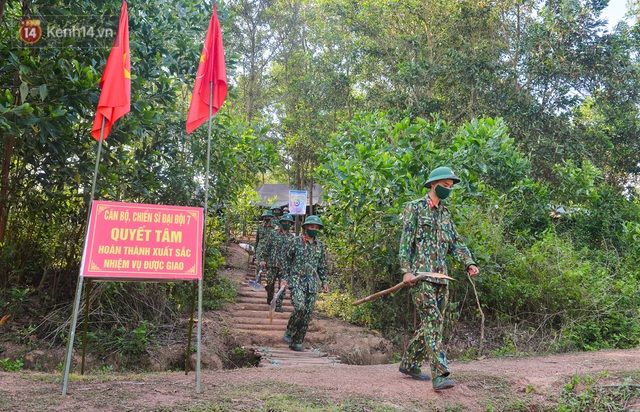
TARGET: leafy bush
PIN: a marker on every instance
(217, 289)
(387, 314)
(556, 256)
(15, 301)
(339, 305)
(7, 365)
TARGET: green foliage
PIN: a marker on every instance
(217, 289)
(239, 357)
(15, 301)
(374, 166)
(552, 285)
(577, 185)
(586, 393)
(7, 365)
(135, 341)
(535, 269)
(242, 212)
(125, 345)
(339, 305)
(47, 106)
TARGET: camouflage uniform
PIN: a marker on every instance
(273, 253)
(265, 232)
(305, 259)
(428, 236)
(260, 235)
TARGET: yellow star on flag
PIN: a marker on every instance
(127, 73)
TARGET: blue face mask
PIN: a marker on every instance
(443, 192)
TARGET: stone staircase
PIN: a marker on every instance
(249, 319)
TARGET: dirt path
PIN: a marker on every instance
(512, 384)
(490, 382)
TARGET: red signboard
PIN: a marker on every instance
(128, 241)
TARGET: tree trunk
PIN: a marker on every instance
(10, 142)
(2, 4)
(4, 200)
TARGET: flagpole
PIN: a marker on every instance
(76, 302)
(204, 235)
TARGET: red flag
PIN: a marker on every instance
(211, 69)
(115, 99)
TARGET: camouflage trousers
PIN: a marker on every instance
(274, 276)
(303, 305)
(431, 300)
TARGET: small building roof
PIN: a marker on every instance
(278, 194)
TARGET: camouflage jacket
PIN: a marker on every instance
(262, 236)
(275, 248)
(428, 236)
(305, 263)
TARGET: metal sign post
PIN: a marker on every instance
(138, 242)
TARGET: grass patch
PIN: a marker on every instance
(595, 394)
(271, 396)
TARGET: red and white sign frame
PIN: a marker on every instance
(129, 241)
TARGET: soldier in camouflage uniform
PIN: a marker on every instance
(265, 231)
(277, 214)
(306, 262)
(273, 254)
(428, 236)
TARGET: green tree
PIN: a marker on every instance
(47, 113)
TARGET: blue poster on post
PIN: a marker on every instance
(297, 202)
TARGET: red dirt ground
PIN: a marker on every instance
(508, 384)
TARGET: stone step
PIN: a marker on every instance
(277, 362)
(260, 307)
(246, 313)
(293, 356)
(251, 293)
(260, 300)
(269, 327)
(261, 328)
(282, 357)
(252, 298)
(253, 277)
(249, 321)
(273, 337)
(258, 320)
(280, 328)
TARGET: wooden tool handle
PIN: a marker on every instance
(421, 276)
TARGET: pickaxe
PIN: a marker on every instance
(421, 276)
